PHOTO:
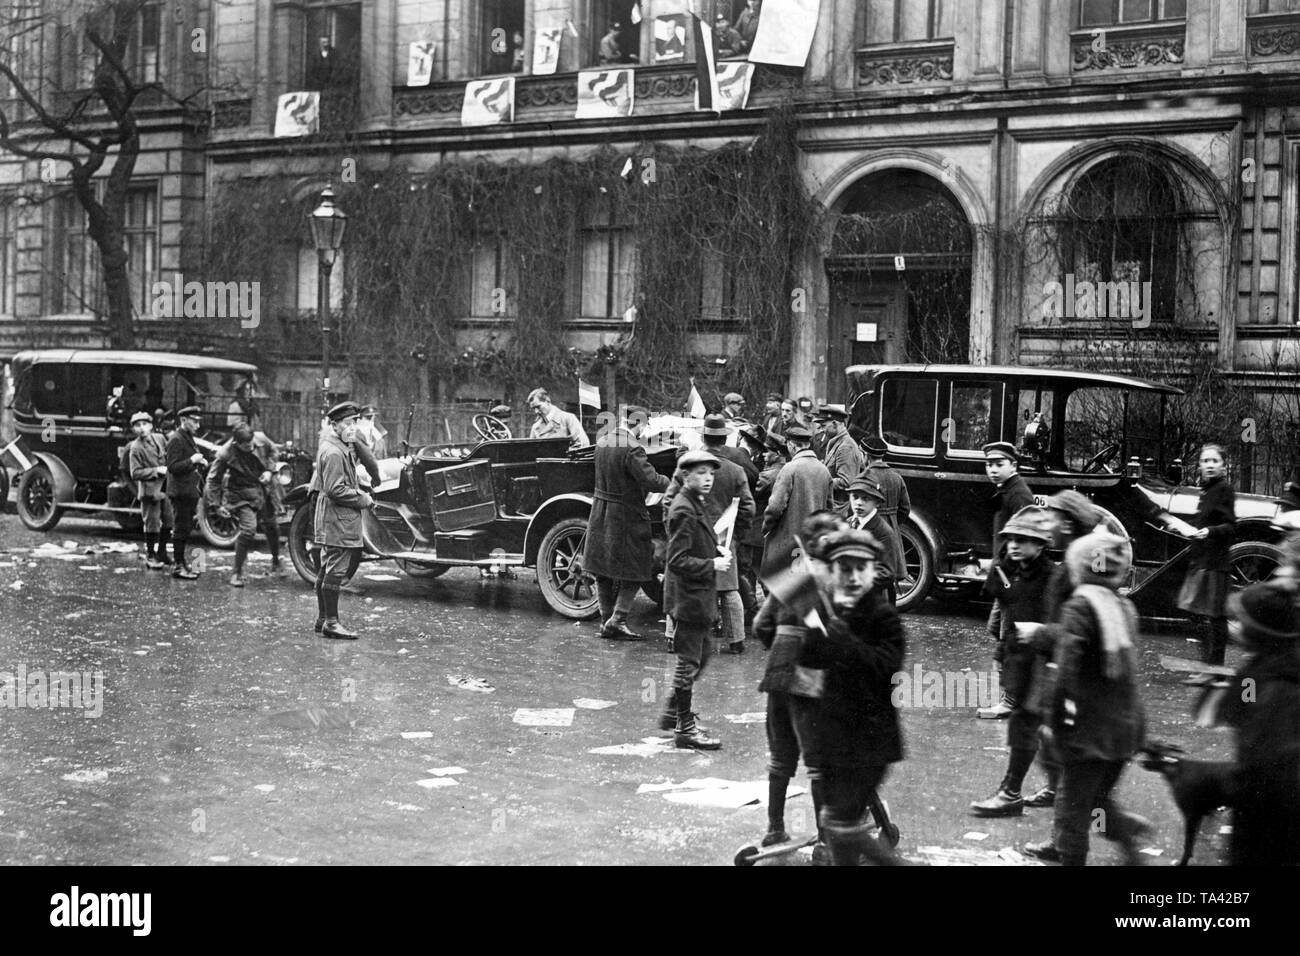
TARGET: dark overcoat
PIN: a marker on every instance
(145, 455)
(896, 506)
(690, 591)
(184, 478)
(729, 482)
(618, 535)
(339, 500)
(801, 487)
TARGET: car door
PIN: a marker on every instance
(460, 496)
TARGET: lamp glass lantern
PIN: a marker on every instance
(328, 224)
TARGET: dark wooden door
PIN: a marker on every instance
(868, 326)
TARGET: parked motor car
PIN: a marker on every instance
(519, 502)
(72, 409)
(1099, 434)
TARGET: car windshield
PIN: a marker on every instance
(1094, 420)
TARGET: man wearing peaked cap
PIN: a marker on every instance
(185, 467)
(897, 504)
(842, 456)
(147, 465)
(339, 506)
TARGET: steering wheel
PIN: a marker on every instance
(1097, 462)
(490, 428)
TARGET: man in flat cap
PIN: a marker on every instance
(733, 407)
(772, 420)
(619, 550)
(801, 487)
(239, 487)
(842, 456)
(690, 591)
(147, 465)
(339, 506)
(185, 468)
(865, 499)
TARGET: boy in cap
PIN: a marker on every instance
(1018, 582)
(147, 465)
(1002, 466)
(339, 503)
(1096, 717)
(690, 590)
(851, 734)
(865, 498)
(239, 486)
(185, 467)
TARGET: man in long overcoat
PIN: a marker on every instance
(802, 487)
(897, 504)
(339, 506)
(843, 457)
(619, 551)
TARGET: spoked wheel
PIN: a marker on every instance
(565, 585)
(1251, 562)
(490, 428)
(303, 551)
(36, 502)
(218, 531)
(919, 564)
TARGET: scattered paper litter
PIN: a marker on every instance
(140, 653)
(416, 734)
(1225, 830)
(16, 586)
(968, 856)
(401, 806)
(1152, 851)
(433, 783)
(1011, 855)
(382, 577)
(73, 615)
(974, 835)
(86, 776)
(588, 703)
(544, 717)
(752, 717)
(7, 564)
(446, 771)
(715, 792)
(219, 859)
(648, 747)
(110, 547)
(121, 570)
(89, 567)
(470, 683)
(265, 787)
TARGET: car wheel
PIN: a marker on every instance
(422, 569)
(4, 490)
(217, 531)
(565, 585)
(36, 503)
(1251, 562)
(918, 560)
(303, 551)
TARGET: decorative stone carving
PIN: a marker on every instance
(1119, 54)
(442, 98)
(1281, 41)
(229, 114)
(902, 63)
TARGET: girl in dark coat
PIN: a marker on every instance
(1205, 590)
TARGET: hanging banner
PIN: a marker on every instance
(670, 38)
(546, 51)
(734, 77)
(419, 64)
(489, 102)
(297, 114)
(603, 94)
(785, 32)
(706, 75)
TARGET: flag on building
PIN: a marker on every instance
(603, 94)
(694, 404)
(635, 15)
(706, 73)
(15, 455)
(488, 102)
(588, 395)
(734, 77)
(785, 32)
(546, 51)
(670, 38)
(297, 114)
(419, 64)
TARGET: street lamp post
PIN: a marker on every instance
(328, 223)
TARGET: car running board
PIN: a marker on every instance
(428, 557)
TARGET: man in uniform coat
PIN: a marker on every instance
(339, 506)
(690, 591)
(147, 464)
(619, 551)
(185, 467)
(801, 487)
(842, 456)
(897, 504)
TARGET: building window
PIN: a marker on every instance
(297, 274)
(76, 275)
(8, 255)
(615, 37)
(491, 280)
(501, 37)
(1273, 6)
(1109, 13)
(903, 21)
(146, 42)
(608, 255)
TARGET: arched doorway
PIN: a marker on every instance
(899, 269)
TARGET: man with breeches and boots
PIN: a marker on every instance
(239, 487)
(1018, 582)
(619, 550)
(340, 504)
(894, 509)
(780, 626)
(853, 732)
(690, 591)
(147, 462)
(185, 467)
